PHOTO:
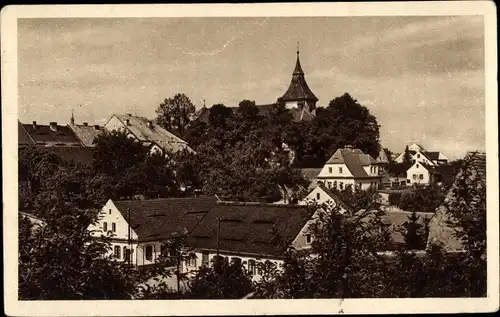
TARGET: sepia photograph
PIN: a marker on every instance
(250, 158)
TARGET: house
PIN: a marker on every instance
(52, 135)
(138, 227)
(322, 195)
(418, 153)
(250, 233)
(350, 167)
(148, 133)
(85, 133)
(420, 173)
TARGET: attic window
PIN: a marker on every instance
(417, 165)
(308, 239)
(110, 211)
(330, 170)
(418, 155)
(317, 196)
(340, 170)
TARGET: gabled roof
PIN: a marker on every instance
(86, 133)
(247, 228)
(44, 135)
(354, 160)
(23, 138)
(428, 167)
(298, 89)
(332, 195)
(433, 156)
(139, 126)
(382, 156)
(157, 219)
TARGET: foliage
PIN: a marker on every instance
(407, 157)
(60, 261)
(415, 232)
(174, 114)
(220, 280)
(422, 198)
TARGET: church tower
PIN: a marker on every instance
(298, 94)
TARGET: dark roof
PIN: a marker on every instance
(23, 138)
(77, 154)
(396, 219)
(298, 89)
(247, 228)
(157, 219)
(86, 133)
(43, 134)
(433, 156)
(301, 114)
(354, 159)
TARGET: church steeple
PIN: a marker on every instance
(72, 120)
(298, 94)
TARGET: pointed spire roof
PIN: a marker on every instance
(298, 89)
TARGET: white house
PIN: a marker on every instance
(419, 173)
(138, 228)
(418, 153)
(148, 133)
(321, 195)
(350, 167)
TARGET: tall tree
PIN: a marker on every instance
(175, 113)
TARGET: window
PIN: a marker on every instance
(236, 261)
(421, 176)
(330, 170)
(204, 258)
(113, 227)
(126, 254)
(105, 227)
(341, 185)
(251, 266)
(317, 196)
(117, 251)
(417, 165)
(407, 180)
(308, 239)
(335, 184)
(149, 252)
(110, 211)
(329, 184)
(340, 170)
(191, 260)
(418, 156)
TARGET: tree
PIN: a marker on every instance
(115, 152)
(174, 113)
(222, 280)
(61, 261)
(407, 157)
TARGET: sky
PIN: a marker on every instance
(422, 77)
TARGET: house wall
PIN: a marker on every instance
(423, 175)
(372, 170)
(335, 171)
(109, 214)
(415, 147)
(192, 269)
(291, 104)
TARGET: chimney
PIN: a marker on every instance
(348, 147)
(53, 126)
(150, 124)
(34, 125)
(85, 123)
(96, 127)
(127, 121)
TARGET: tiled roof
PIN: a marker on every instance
(248, 228)
(433, 156)
(44, 135)
(298, 89)
(354, 160)
(166, 140)
(157, 219)
(86, 133)
(77, 154)
(396, 220)
(23, 136)
(479, 163)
